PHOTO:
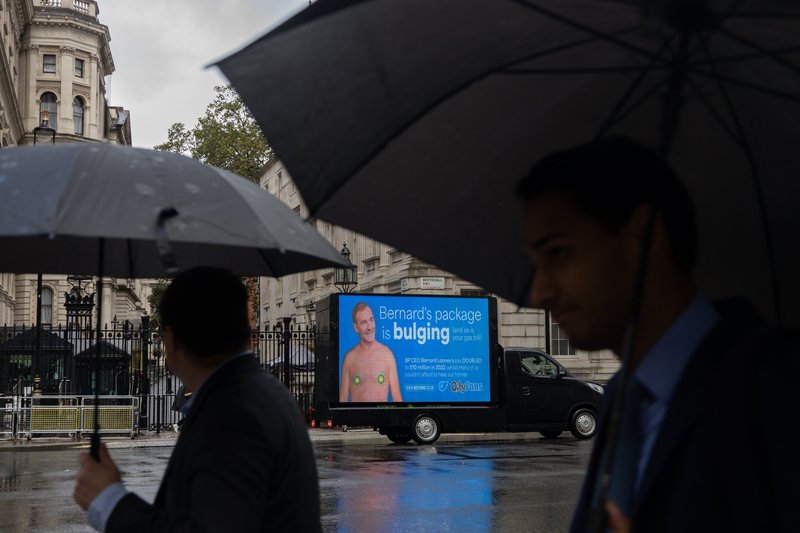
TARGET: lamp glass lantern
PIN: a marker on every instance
(345, 278)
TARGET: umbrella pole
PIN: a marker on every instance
(596, 522)
(95, 444)
(673, 102)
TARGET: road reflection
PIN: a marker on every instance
(425, 491)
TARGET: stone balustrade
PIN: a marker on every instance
(87, 7)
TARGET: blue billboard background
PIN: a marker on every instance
(440, 345)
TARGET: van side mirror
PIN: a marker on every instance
(561, 373)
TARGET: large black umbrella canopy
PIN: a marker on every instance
(411, 121)
(59, 203)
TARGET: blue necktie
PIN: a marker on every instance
(624, 469)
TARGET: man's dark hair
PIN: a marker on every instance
(609, 178)
(207, 311)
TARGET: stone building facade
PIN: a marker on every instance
(55, 57)
(383, 269)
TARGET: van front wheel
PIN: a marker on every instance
(583, 424)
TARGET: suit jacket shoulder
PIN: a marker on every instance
(684, 487)
(243, 462)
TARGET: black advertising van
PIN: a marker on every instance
(417, 366)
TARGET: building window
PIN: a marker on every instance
(47, 305)
(77, 115)
(559, 343)
(78, 68)
(48, 103)
(474, 293)
(49, 63)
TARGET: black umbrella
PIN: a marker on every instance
(110, 210)
(411, 121)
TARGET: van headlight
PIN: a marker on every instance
(595, 387)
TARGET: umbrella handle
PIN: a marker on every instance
(94, 449)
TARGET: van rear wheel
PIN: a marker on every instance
(583, 424)
(426, 429)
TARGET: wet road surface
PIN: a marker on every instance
(524, 485)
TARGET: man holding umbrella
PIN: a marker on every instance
(243, 460)
(595, 215)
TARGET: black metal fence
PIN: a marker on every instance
(60, 360)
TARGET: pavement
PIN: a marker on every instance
(152, 439)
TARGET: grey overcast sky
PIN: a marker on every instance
(160, 49)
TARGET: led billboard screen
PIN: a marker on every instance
(413, 349)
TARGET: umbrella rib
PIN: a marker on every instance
(581, 70)
(747, 85)
(760, 201)
(740, 58)
(714, 112)
(618, 112)
(586, 29)
(633, 107)
(751, 15)
(542, 53)
(761, 50)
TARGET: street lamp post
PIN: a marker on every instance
(144, 336)
(42, 134)
(346, 278)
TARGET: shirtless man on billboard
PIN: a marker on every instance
(369, 370)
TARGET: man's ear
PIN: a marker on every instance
(170, 343)
(636, 226)
(637, 223)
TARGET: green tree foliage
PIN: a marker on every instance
(154, 299)
(226, 136)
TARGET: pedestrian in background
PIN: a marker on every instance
(181, 397)
(243, 461)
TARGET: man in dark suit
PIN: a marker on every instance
(694, 452)
(243, 461)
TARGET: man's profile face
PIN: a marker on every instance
(583, 271)
(365, 325)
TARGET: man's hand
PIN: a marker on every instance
(617, 522)
(93, 477)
